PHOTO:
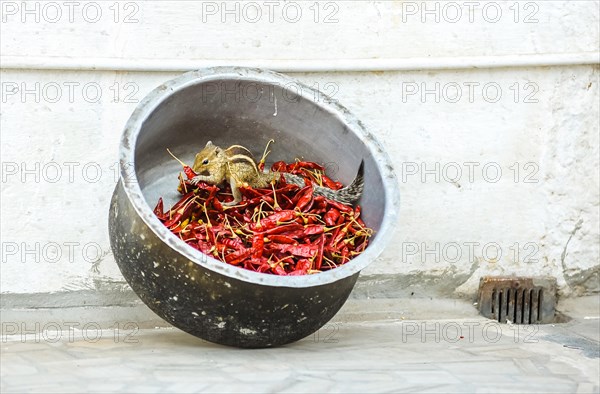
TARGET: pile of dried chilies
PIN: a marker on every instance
(283, 231)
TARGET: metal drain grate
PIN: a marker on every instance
(519, 300)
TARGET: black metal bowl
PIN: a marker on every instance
(194, 292)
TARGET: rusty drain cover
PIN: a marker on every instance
(520, 300)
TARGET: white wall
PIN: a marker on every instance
(545, 120)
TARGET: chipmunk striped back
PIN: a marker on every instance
(237, 154)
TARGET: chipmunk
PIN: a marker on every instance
(237, 166)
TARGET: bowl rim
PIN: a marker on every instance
(145, 212)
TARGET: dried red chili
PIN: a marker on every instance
(331, 217)
(283, 231)
(189, 172)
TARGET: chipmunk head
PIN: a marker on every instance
(210, 161)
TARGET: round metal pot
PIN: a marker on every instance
(231, 105)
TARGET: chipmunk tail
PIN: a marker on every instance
(348, 195)
(352, 193)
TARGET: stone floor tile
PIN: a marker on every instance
(351, 357)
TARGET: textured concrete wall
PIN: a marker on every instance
(498, 167)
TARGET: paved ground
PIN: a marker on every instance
(470, 354)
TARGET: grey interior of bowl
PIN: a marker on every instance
(249, 113)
